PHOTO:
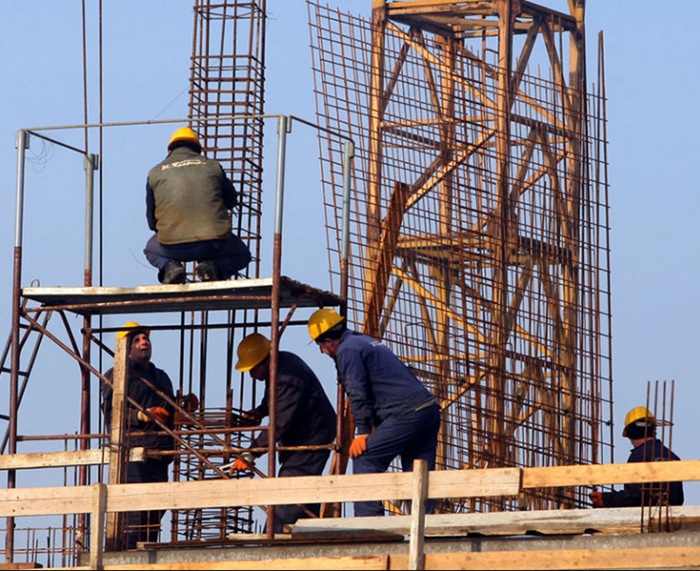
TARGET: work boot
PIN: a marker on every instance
(208, 271)
(173, 273)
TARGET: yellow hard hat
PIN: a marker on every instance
(636, 414)
(131, 327)
(322, 320)
(251, 351)
(184, 134)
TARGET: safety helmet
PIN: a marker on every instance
(322, 320)
(637, 414)
(131, 328)
(184, 134)
(251, 351)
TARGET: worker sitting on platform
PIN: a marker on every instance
(640, 428)
(305, 417)
(188, 204)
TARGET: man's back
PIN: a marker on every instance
(191, 198)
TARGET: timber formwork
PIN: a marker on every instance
(479, 226)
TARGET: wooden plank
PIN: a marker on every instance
(312, 489)
(119, 424)
(475, 483)
(97, 525)
(618, 558)
(359, 563)
(91, 457)
(555, 522)
(17, 502)
(599, 474)
(420, 494)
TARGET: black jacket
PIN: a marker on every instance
(304, 413)
(647, 494)
(141, 393)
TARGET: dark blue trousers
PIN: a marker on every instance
(145, 525)
(230, 255)
(411, 436)
(305, 463)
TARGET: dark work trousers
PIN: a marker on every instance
(145, 525)
(231, 255)
(308, 463)
(412, 436)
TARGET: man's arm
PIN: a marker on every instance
(150, 207)
(229, 193)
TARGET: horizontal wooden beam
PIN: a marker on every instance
(62, 459)
(599, 474)
(514, 523)
(259, 492)
(345, 488)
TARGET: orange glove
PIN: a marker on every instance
(596, 499)
(158, 412)
(242, 463)
(359, 445)
(253, 416)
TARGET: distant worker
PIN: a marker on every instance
(153, 411)
(189, 200)
(640, 428)
(395, 415)
(305, 417)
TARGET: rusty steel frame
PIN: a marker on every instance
(480, 232)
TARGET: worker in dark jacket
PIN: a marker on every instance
(640, 428)
(395, 415)
(141, 419)
(304, 417)
(188, 204)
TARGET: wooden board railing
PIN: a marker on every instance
(100, 499)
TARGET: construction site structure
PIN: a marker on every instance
(466, 205)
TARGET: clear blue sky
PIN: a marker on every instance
(652, 86)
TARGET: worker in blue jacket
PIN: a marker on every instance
(189, 200)
(304, 418)
(395, 415)
(640, 428)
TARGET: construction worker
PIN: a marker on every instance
(395, 415)
(304, 417)
(188, 204)
(640, 428)
(147, 417)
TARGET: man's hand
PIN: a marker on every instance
(358, 446)
(158, 412)
(253, 416)
(596, 499)
(242, 463)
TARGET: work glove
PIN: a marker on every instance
(242, 463)
(359, 445)
(253, 416)
(596, 499)
(158, 412)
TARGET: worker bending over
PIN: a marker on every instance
(395, 415)
(305, 417)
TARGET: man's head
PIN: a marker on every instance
(139, 341)
(253, 355)
(326, 326)
(639, 424)
(185, 137)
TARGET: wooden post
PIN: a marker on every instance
(416, 557)
(118, 450)
(97, 526)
